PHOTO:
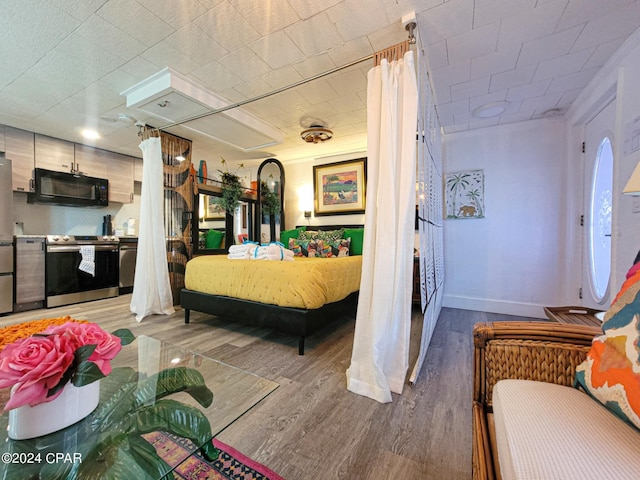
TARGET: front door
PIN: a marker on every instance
(598, 196)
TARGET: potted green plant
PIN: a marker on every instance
(270, 202)
(231, 189)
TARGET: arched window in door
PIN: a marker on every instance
(600, 225)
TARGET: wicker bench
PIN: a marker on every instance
(542, 351)
(577, 315)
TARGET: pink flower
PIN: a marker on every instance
(81, 334)
(33, 366)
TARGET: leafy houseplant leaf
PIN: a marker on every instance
(86, 373)
(181, 420)
(125, 336)
(172, 380)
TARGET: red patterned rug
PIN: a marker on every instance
(230, 464)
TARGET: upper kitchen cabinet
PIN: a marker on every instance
(137, 170)
(120, 175)
(54, 154)
(19, 148)
(117, 168)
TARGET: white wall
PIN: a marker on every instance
(511, 261)
(620, 77)
(299, 193)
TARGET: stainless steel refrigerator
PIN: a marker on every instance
(6, 236)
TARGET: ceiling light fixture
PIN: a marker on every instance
(316, 134)
(90, 134)
(491, 109)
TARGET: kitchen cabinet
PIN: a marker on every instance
(120, 174)
(137, 170)
(19, 148)
(115, 167)
(54, 154)
(91, 161)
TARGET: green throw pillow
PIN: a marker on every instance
(214, 239)
(285, 235)
(357, 240)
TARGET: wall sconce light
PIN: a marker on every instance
(307, 214)
(633, 184)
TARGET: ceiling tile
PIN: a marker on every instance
(309, 8)
(266, 16)
(139, 22)
(217, 77)
(603, 52)
(444, 77)
(619, 23)
(496, 62)
(100, 32)
(535, 89)
(80, 10)
(244, 63)
(314, 65)
(473, 43)
(176, 14)
(318, 91)
(540, 104)
(314, 35)
(530, 25)
(347, 103)
(480, 100)
(490, 11)
(281, 77)
(227, 27)
(564, 65)
(164, 55)
(351, 51)
(437, 55)
(571, 81)
(370, 14)
(446, 111)
(277, 50)
(581, 11)
(549, 47)
(512, 78)
(194, 42)
(347, 82)
(472, 88)
(445, 20)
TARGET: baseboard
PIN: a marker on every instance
(494, 306)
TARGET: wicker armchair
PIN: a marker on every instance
(543, 351)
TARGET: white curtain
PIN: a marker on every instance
(380, 357)
(151, 288)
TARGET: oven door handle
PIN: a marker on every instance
(76, 248)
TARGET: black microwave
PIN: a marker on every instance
(70, 189)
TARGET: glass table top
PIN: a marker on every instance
(114, 440)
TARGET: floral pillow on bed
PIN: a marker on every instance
(611, 371)
(319, 248)
(324, 235)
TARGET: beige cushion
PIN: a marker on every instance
(547, 431)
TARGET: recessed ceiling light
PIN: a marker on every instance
(90, 134)
(491, 109)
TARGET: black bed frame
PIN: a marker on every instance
(292, 321)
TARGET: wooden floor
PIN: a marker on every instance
(311, 427)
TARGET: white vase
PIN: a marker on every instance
(71, 406)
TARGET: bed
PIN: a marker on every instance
(293, 297)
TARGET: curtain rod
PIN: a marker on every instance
(268, 94)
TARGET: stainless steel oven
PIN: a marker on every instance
(80, 268)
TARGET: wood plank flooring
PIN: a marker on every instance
(311, 427)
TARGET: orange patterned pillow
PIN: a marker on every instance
(611, 371)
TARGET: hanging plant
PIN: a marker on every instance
(231, 189)
(270, 202)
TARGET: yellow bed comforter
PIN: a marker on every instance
(307, 283)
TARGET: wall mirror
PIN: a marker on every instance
(269, 219)
(214, 231)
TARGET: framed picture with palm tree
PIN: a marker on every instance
(464, 194)
(339, 188)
